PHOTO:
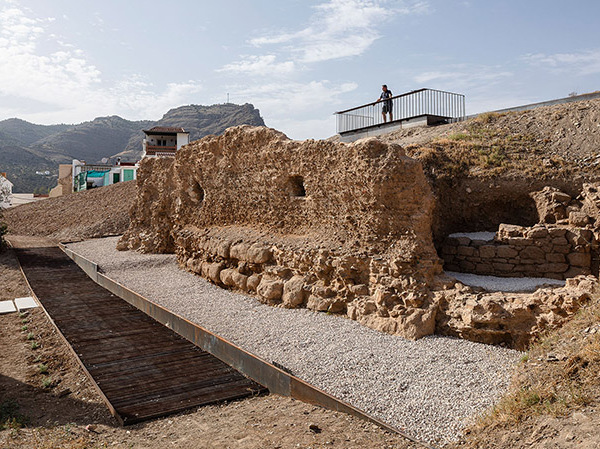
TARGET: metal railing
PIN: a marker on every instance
(412, 104)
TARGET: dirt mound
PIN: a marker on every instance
(89, 214)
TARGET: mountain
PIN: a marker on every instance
(27, 148)
(27, 133)
(88, 141)
(199, 121)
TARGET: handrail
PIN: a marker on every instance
(420, 102)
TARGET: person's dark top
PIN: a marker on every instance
(386, 95)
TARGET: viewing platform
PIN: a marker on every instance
(420, 107)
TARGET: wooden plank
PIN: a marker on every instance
(141, 368)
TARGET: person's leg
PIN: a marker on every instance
(391, 117)
(384, 117)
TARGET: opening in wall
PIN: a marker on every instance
(295, 187)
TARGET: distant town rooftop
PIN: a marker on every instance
(165, 130)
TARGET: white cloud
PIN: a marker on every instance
(259, 65)
(63, 83)
(340, 28)
(579, 63)
(464, 76)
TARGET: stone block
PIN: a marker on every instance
(580, 259)
(451, 241)
(526, 268)
(519, 241)
(506, 230)
(270, 291)
(484, 268)
(214, 272)
(465, 251)
(553, 267)
(253, 281)
(478, 243)
(240, 280)
(555, 232)
(561, 249)
(293, 292)
(575, 271)
(226, 277)
(463, 241)
(578, 219)
(580, 236)
(555, 258)
(532, 252)
(448, 250)
(467, 266)
(537, 232)
(503, 267)
(239, 251)
(487, 252)
(258, 253)
(559, 241)
(554, 275)
(506, 252)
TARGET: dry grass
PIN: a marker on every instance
(558, 375)
(487, 149)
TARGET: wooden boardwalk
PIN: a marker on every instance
(142, 369)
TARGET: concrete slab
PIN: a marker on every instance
(7, 307)
(25, 303)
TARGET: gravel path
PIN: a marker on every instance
(429, 388)
(498, 284)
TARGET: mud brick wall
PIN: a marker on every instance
(551, 251)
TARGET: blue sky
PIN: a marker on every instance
(66, 61)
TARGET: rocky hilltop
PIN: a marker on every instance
(199, 121)
(26, 147)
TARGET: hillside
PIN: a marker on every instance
(199, 121)
(26, 147)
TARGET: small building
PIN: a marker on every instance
(5, 192)
(164, 141)
(88, 176)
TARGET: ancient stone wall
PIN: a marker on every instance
(346, 228)
(343, 228)
(552, 251)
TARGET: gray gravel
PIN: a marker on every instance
(428, 388)
(485, 236)
(498, 284)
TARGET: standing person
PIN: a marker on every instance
(386, 96)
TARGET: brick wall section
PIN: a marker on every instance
(552, 251)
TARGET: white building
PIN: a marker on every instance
(5, 192)
(164, 141)
(87, 176)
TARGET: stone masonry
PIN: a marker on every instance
(544, 250)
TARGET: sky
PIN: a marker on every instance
(297, 61)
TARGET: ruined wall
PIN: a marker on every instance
(552, 251)
(343, 228)
(346, 228)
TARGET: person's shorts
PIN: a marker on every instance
(387, 107)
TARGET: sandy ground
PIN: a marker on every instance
(61, 409)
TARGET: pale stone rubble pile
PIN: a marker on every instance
(333, 227)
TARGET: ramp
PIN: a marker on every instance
(141, 368)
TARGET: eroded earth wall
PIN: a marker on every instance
(335, 227)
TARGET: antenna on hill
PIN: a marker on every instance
(228, 97)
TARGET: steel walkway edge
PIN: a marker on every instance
(141, 369)
(264, 373)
